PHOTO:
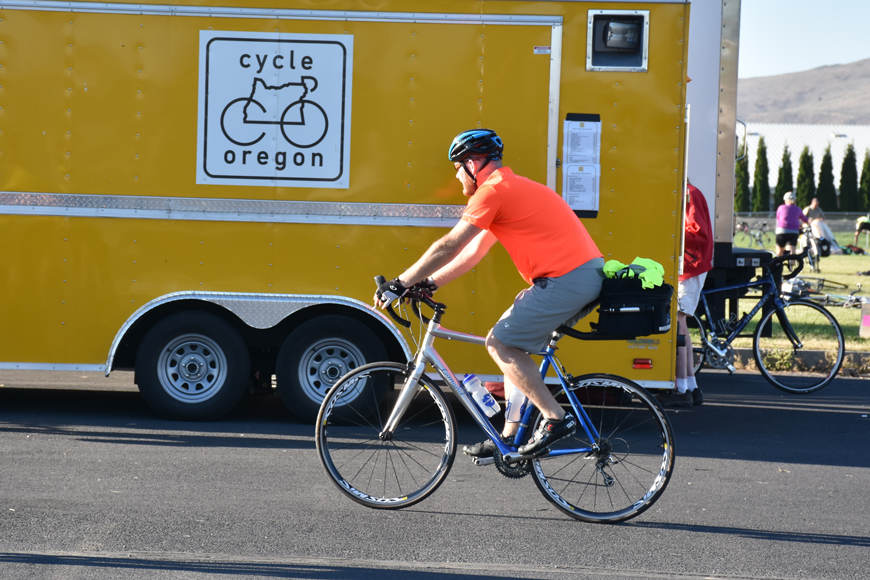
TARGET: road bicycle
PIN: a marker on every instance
(810, 243)
(303, 122)
(797, 345)
(813, 289)
(744, 236)
(392, 452)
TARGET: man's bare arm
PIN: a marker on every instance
(467, 259)
(441, 253)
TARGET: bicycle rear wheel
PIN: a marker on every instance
(633, 462)
(806, 369)
(698, 354)
(392, 473)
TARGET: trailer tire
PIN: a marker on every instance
(317, 354)
(192, 366)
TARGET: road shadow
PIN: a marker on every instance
(743, 417)
(123, 417)
(63, 566)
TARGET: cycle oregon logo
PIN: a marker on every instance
(274, 109)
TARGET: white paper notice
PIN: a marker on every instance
(581, 164)
(580, 188)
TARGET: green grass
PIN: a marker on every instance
(843, 269)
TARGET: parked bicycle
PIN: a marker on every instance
(745, 237)
(809, 242)
(797, 344)
(395, 453)
(815, 289)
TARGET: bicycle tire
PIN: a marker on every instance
(388, 474)
(814, 255)
(741, 239)
(699, 359)
(806, 370)
(698, 353)
(768, 240)
(630, 422)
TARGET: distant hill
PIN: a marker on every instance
(829, 95)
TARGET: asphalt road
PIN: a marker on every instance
(92, 485)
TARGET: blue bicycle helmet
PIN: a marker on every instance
(475, 142)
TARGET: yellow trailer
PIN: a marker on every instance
(204, 193)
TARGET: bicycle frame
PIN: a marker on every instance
(770, 293)
(428, 354)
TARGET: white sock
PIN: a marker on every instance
(691, 385)
(681, 386)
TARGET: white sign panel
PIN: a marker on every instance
(580, 189)
(582, 162)
(274, 109)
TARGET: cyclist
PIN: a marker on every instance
(788, 221)
(552, 251)
(697, 261)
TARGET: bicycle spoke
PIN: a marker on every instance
(805, 369)
(403, 468)
(630, 464)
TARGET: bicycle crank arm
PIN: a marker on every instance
(722, 354)
(515, 456)
(481, 461)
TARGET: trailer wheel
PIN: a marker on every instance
(317, 354)
(193, 366)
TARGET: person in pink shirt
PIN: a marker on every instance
(788, 224)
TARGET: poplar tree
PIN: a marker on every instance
(761, 186)
(849, 200)
(864, 184)
(785, 180)
(826, 192)
(741, 171)
(806, 179)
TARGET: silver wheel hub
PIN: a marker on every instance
(324, 363)
(192, 368)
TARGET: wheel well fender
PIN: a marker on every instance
(263, 320)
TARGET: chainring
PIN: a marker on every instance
(719, 362)
(512, 470)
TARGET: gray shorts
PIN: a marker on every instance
(539, 310)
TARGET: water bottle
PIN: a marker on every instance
(481, 396)
(516, 402)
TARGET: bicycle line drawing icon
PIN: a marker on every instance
(303, 122)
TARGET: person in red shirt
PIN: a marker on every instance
(697, 261)
(552, 251)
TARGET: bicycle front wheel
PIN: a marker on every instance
(396, 471)
(815, 363)
(632, 458)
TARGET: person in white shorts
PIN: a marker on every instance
(697, 261)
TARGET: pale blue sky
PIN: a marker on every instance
(785, 36)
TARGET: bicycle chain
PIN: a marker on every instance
(512, 470)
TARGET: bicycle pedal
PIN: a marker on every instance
(483, 460)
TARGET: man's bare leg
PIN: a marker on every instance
(684, 362)
(519, 368)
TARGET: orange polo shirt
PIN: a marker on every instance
(534, 224)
